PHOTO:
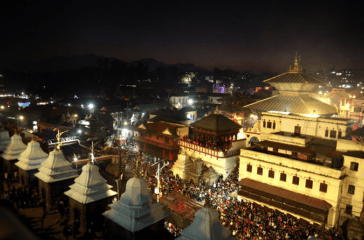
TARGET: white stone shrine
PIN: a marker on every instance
(30, 161)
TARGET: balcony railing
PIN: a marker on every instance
(214, 153)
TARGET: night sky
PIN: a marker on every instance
(242, 35)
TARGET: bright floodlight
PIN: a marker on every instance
(79, 131)
(190, 101)
(21, 117)
(90, 106)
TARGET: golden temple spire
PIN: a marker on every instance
(136, 173)
(207, 200)
(216, 109)
(296, 66)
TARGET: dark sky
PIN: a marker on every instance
(242, 35)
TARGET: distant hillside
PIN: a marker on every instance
(60, 63)
(151, 62)
(56, 63)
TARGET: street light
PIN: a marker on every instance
(91, 107)
(18, 117)
(158, 176)
(75, 159)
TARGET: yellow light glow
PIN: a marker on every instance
(311, 115)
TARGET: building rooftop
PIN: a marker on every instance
(216, 122)
(292, 103)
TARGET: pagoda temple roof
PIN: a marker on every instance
(161, 127)
(90, 186)
(216, 122)
(32, 157)
(293, 103)
(340, 94)
(294, 77)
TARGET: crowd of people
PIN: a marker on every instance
(246, 220)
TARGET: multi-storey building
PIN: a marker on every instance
(299, 161)
(216, 141)
(160, 139)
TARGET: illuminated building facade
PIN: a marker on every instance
(216, 142)
(299, 161)
(160, 139)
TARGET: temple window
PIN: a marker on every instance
(339, 134)
(309, 183)
(297, 130)
(323, 187)
(326, 132)
(296, 180)
(274, 124)
(264, 123)
(249, 168)
(271, 174)
(283, 177)
(332, 134)
(260, 171)
(351, 189)
(354, 166)
(269, 125)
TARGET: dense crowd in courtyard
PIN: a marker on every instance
(245, 219)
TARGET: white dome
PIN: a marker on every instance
(136, 193)
(206, 226)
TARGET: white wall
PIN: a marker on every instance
(318, 174)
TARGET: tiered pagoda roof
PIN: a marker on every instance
(292, 103)
(216, 122)
(4, 139)
(32, 157)
(135, 210)
(90, 186)
(14, 149)
(294, 88)
(56, 168)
